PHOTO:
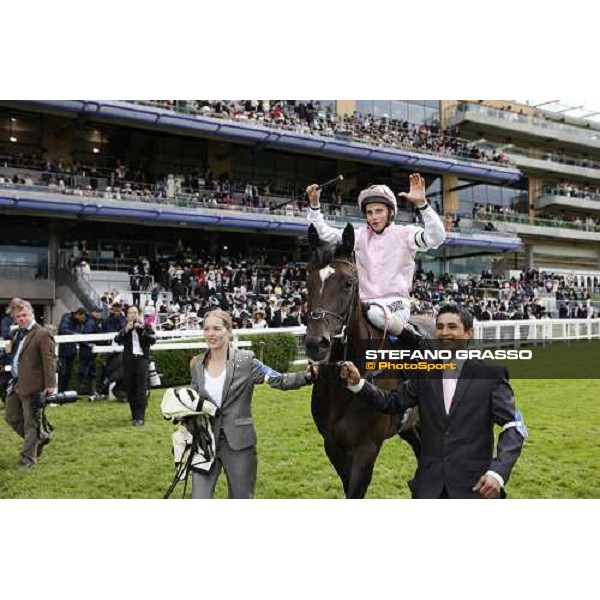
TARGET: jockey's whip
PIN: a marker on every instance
(303, 194)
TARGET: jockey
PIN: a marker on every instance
(385, 251)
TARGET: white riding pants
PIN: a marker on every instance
(390, 313)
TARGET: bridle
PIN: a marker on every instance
(322, 314)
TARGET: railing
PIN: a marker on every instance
(81, 285)
(592, 135)
(555, 158)
(24, 272)
(537, 329)
(196, 202)
(66, 260)
(572, 193)
(165, 339)
(527, 220)
(351, 213)
(513, 332)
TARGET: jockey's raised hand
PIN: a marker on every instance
(416, 195)
(349, 373)
(313, 194)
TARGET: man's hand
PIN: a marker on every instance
(349, 373)
(313, 194)
(488, 487)
(8, 347)
(129, 326)
(416, 195)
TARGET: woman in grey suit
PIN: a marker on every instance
(228, 377)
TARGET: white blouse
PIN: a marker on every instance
(214, 386)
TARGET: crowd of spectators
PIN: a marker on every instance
(491, 297)
(313, 119)
(572, 190)
(199, 188)
(489, 212)
(181, 286)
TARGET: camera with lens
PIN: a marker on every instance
(42, 400)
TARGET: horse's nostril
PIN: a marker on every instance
(317, 347)
(324, 343)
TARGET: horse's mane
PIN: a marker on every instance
(326, 253)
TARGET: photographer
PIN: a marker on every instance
(33, 371)
(136, 339)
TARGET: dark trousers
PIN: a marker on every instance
(65, 366)
(87, 371)
(25, 420)
(135, 370)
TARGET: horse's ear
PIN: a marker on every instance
(313, 238)
(348, 239)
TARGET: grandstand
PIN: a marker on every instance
(172, 204)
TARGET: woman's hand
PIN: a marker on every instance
(311, 374)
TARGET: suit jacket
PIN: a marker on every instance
(242, 372)
(146, 336)
(458, 448)
(37, 361)
(68, 326)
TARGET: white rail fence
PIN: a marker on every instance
(494, 332)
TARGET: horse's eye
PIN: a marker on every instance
(349, 284)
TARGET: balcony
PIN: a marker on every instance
(473, 119)
(30, 280)
(576, 201)
(565, 167)
(270, 137)
(555, 229)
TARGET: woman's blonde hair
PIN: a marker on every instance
(223, 315)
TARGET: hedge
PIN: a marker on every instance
(277, 351)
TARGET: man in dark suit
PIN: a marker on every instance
(136, 339)
(33, 371)
(87, 359)
(457, 414)
(71, 323)
(281, 316)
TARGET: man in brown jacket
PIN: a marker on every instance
(33, 371)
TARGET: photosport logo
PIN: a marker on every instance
(530, 359)
(435, 360)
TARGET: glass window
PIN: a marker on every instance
(365, 106)
(327, 105)
(399, 109)
(416, 113)
(431, 115)
(382, 107)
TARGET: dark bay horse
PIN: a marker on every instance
(338, 330)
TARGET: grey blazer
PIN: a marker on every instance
(243, 371)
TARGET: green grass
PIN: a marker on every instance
(97, 454)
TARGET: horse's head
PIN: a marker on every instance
(333, 290)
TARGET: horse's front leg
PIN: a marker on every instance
(359, 469)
